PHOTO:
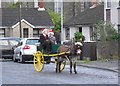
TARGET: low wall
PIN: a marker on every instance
(107, 50)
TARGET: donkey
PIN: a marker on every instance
(75, 50)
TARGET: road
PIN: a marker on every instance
(18, 73)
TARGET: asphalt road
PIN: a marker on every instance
(17, 73)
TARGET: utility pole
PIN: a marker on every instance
(20, 20)
(62, 29)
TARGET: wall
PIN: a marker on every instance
(85, 32)
(114, 14)
(8, 32)
(119, 15)
(107, 50)
(16, 30)
(62, 35)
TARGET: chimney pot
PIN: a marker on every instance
(41, 5)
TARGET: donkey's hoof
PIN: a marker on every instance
(56, 71)
(75, 72)
(59, 71)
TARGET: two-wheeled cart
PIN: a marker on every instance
(39, 58)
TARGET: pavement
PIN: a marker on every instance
(110, 65)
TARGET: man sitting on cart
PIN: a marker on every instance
(46, 44)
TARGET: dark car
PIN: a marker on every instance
(6, 46)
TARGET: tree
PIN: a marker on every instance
(106, 37)
(105, 31)
(56, 19)
(14, 5)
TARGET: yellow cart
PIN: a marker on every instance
(39, 59)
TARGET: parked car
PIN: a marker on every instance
(6, 45)
(25, 49)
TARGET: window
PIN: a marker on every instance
(67, 33)
(82, 6)
(108, 3)
(2, 32)
(25, 32)
(108, 15)
(119, 2)
(80, 29)
(36, 32)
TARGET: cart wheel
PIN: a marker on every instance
(38, 61)
(62, 65)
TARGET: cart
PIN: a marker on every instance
(39, 58)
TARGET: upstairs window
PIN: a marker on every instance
(25, 32)
(108, 3)
(108, 15)
(119, 2)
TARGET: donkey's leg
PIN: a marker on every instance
(75, 68)
(70, 66)
(57, 64)
(57, 67)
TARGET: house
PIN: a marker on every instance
(112, 12)
(83, 22)
(28, 21)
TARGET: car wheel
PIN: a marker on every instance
(14, 58)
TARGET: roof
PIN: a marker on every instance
(10, 16)
(88, 17)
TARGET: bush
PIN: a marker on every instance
(105, 31)
(79, 37)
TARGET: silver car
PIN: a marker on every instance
(25, 49)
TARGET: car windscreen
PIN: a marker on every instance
(4, 42)
(32, 41)
(13, 42)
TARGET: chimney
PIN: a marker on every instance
(94, 3)
(41, 5)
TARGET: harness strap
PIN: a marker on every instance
(54, 55)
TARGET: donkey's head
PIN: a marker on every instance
(76, 49)
(77, 46)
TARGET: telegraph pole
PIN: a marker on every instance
(20, 20)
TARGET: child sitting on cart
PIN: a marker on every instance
(52, 37)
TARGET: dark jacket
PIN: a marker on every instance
(46, 44)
